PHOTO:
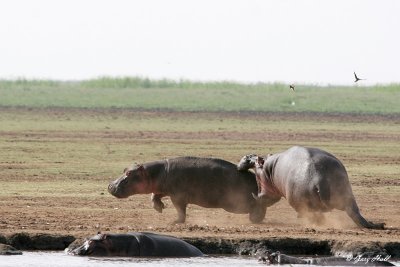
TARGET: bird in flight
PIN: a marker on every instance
(291, 86)
(357, 79)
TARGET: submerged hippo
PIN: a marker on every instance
(135, 245)
(312, 180)
(207, 182)
(9, 250)
(279, 258)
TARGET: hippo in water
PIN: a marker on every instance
(312, 180)
(279, 258)
(207, 182)
(135, 245)
(9, 250)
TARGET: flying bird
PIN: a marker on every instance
(291, 86)
(357, 79)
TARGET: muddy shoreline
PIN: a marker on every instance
(215, 245)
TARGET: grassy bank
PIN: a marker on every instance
(141, 93)
(85, 147)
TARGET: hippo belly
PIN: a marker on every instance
(229, 196)
(214, 183)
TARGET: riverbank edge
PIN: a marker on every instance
(293, 246)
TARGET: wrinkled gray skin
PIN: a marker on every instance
(207, 182)
(138, 244)
(312, 180)
(279, 258)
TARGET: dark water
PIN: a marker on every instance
(60, 259)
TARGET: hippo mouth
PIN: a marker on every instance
(116, 191)
(88, 249)
(79, 251)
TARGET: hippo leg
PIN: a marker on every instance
(354, 213)
(157, 204)
(257, 214)
(180, 206)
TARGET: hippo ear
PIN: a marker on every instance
(141, 168)
(103, 236)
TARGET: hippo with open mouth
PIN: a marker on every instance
(135, 245)
(207, 182)
(312, 180)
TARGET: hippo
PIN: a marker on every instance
(207, 182)
(279, 258)
(9, 250)
(138, 244)
(312, 180)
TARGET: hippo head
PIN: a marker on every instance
(133, 181)
(106, 245)
(98, 245)
(259, 162)
(247, 162)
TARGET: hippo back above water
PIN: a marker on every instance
(207, 182)
(136, 244)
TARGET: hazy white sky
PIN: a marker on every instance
(311, 41)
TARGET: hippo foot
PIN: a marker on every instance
(178, 221)
(158, 206)
(378, 226)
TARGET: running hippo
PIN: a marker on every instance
(207, 182)
(279, 258)
(312, 180)
(135, 245)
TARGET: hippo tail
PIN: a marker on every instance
(354, 213)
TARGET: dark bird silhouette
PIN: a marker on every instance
(291, 86)
(357, 79)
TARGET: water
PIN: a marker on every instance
(60, 259)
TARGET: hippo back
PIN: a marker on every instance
(164, 246)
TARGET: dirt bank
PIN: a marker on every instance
(293, 246)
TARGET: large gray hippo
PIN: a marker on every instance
(135, 245)
(312, 180)
(207, 182)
